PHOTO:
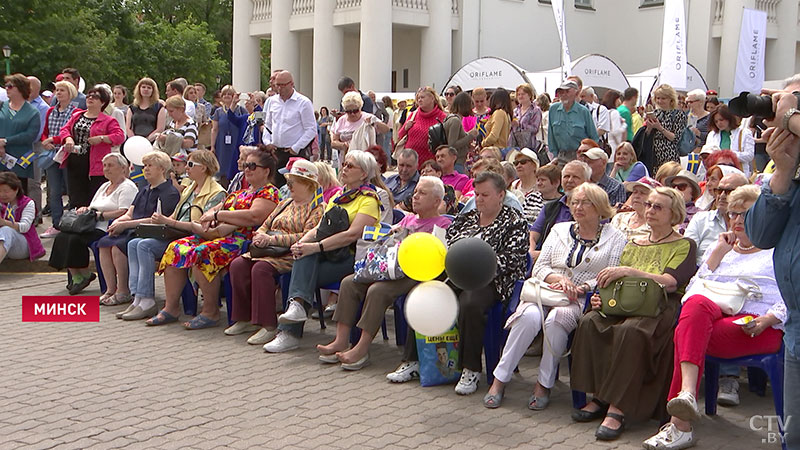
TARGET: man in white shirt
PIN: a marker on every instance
(705, 227)
(599, 112)
(289, 123)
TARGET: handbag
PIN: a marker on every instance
(271, 251)
(380, 260)
(633, 297)
(72, 222)
(730, 297)
(542, 153)
(160, 231)
(538, 292)
(334, 221)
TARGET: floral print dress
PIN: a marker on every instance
(213, 256)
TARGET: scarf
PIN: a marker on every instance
(350, 195)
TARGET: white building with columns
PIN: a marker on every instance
(399, 45)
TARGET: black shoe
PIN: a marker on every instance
(610, 434)
(589, 416)
(46, 210)
(78, 288)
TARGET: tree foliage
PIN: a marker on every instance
(119, 41)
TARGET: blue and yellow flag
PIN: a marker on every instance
(317, 198)
(136, 174)
(693, 162)
(375, 233)
(481, 126)
(7, 214)
(26, 159)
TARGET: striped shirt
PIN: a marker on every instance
(187, 130)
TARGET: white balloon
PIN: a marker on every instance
(136, 147)
(431, 308)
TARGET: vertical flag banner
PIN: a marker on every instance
(750, 62)
(672, 69)
(561, 24)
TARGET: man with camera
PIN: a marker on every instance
(774, 221)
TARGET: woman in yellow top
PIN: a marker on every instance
(315, 265)
(498, 127)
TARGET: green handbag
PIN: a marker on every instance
(633, 296)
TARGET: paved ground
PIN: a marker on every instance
(117, 384)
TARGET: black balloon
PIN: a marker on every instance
(470, 263)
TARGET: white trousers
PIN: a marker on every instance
(15, 244)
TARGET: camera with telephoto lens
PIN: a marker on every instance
(747, 104)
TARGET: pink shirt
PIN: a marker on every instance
(415, 224)
(457, 180)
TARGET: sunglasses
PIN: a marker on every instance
(680, 186)
(352, 111)
(349, 165)
(521, 162)
(252, 166)
(655, 206)
(449, 94)
(733, 215)
(191, 164)
(720, 191)
(94, 96)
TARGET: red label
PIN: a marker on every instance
(60, 308)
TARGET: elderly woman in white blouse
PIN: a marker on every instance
(704, 329)
(571, 257)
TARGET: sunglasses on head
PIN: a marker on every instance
(252, 166)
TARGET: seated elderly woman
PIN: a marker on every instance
(705, 329)
(218, 238)
(18, 238)
(253, 278)
(112, 200)
(626, 167)
(315, 263)
(202, 194)
(632, 222)
(378, 296)
(506, 231)
(686, 183)
(159, 195)
(624, 361)
(564, 264)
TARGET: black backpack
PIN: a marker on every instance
(436, 135)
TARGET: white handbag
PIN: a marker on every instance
(538, 292)
(729, 296)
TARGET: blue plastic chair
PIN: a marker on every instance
(100, 278)
(494, 337)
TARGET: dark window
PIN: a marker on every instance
(394, 81)
(405, 78)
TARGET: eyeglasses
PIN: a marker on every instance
(680, 186)
(521, 162)
(349, 165)
(191, 164)
(655, 206)
(252, 166)
(94, 96)
(449, 94)
(352, 111)
(733, 215)
(720, 191)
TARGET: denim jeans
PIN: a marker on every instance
(142, 254)
(56, 188)
(309, 273)
(791, 400)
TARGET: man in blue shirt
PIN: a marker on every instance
(35, 183)
(74, 77)
(403, 184)
(569, 123)
(774, 222)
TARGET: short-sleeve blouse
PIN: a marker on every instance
(243, 199)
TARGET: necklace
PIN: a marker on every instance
(577, 240)
(659, 240)
(744, 249)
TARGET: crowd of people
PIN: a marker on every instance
(259, 185)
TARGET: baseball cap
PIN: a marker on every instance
(567, 84)
(645, 182)
(596, 153)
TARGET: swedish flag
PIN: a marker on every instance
(317, 198)
(481, 128)
(26, 159)
(7, 214)
(375, 233)
(693, 163)
(136, 174)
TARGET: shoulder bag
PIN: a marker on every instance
(72, 222)
(161, 231)
(273, 251)
(730, 296)
(633, 296)
(539, 293)
(334, 221)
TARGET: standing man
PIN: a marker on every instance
(599, 112)
(774, 222)
(35, 183)
(402, 184)
(345, 85)
(289, 123)
(569, 123)
(626, 109)
(74, 77)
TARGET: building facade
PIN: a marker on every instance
(399, 45)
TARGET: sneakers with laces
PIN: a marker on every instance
(684, 407)
(728, 394)
(669, 437)
(49, 233)
(468, 383)
(406, 372)
(283, 342)
(295, 313)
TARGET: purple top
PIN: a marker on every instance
(564, 215)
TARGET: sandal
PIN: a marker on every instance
(161, 318)
(105, 297)
(116, 299)
(493, 401)
(609, 434)
(538, 403)
(200, 322)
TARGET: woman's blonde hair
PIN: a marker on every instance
(677, 205)
(496, 153)
(158, 159)
(227, 89)
(326, 175)
(597, 196)
(429, 90)
(668, 169)
(743, 195)
(137, 93)
(352, 98)
(479, 91)
(626, 146)
(69, 87)
(188, 89)
(207, 159)
(668, 91)
(176, 102)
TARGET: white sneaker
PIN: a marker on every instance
(684, 407)
(728, 394)
(669, 437)
(283, 342)
(49, 233)
(295, 313)
(406, 372)
(240, 327)
(262, 336)
(468, 383)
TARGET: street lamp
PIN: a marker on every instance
(7, 55)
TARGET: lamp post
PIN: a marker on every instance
(7, 55)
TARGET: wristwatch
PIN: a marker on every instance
(788, 115)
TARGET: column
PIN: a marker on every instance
(246, 49)
(729, 48)
(437, 43)
(698, 35)
(328, 54)
(779, 59)
(285, 44)
(375, 46)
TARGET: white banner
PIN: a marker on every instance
(673, 46)
(750, 62)
(558, 13)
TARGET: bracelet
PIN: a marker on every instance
(321, 248)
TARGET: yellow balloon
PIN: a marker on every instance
(421, 256)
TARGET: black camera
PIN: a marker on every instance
(747, 104)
